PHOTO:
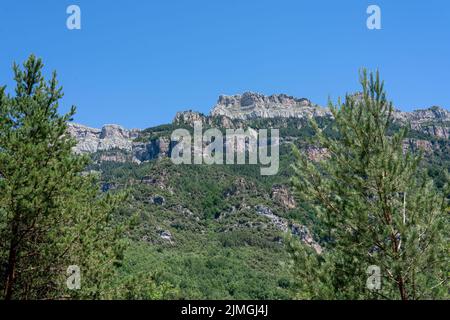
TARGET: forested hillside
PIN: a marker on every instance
(218, 231)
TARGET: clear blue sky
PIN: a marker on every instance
(138, 62)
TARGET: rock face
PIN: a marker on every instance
(283, 196)
(115, 156)
(295, 229)
(235, 112)
(119, 143)
(111, 136)
(154, 149)
(434, 121)
(305, 235)
(277, 221)
(87, 138)
(252, 105)
(165, 235)
(189, 117)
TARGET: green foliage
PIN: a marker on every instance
(206, 270)
(215, 253)
(218, 226)
(51, 215)
(376, 207)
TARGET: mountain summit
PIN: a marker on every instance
(252, 105)
(237, 111)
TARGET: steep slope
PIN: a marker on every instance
(217, 231)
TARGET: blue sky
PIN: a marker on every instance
(138, 62)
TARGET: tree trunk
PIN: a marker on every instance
(401, 288)
(11, 269)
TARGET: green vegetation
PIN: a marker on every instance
(220, 247)
(377, 207)
(51, 215)
(156, 230)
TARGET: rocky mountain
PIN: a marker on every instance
(194, 221)
(116, 143)
(237, 111)
(252, 105)
(109, 137)
(434, 121)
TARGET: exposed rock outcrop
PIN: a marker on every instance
(87, 138)
(281, 195)
(165, 235)
(235, 112)
(252, 105)
(111, 136)
(277, 221)
(295, 229)
(434, 121)
(305, 235)
(118, 143)
(189, 117)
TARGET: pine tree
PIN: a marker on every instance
(376, 207)
(51, 213)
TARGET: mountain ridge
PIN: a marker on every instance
(237, 111)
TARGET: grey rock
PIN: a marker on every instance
(434, 121)
(297, 230)
(119, 143)
(252, 105)
(90, 140)
(87, 138)
(305, 235)
(166, 235)
(115, 156)
(277, 221)
(150, 180)
(233, 112)
(189, 117)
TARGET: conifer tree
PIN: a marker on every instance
(375, 206)
(51, 213)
